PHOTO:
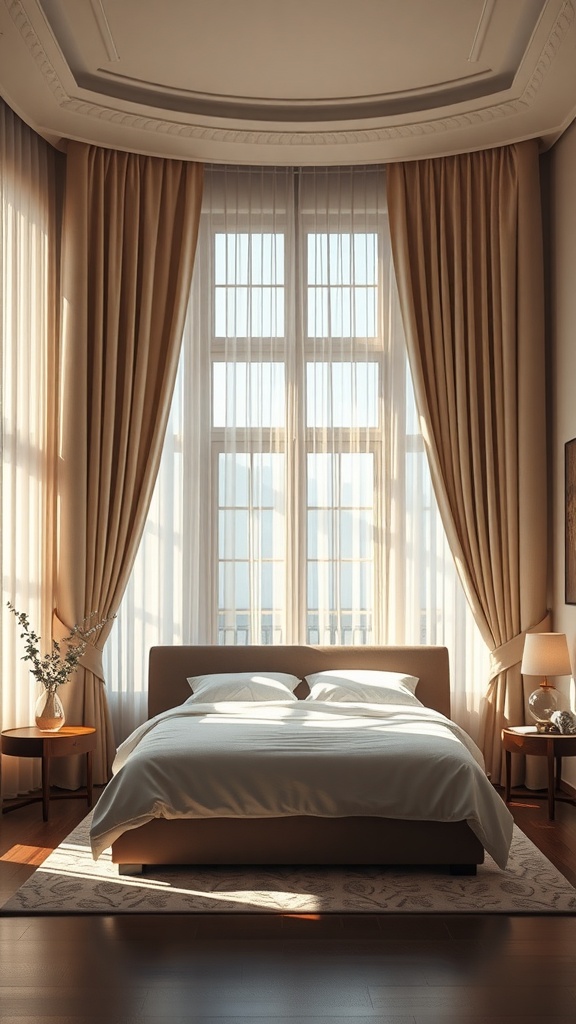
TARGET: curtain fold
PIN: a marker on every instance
(467, 248)
(130, 229)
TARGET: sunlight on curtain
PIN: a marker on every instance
(27, 306)
(294, 502)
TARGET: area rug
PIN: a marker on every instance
(70, 882)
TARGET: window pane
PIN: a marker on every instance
(249, 312)
(342, 394)
(342, 258)
(356, 533)
(321, 468)
(355, 586)
(342, 312)
(252, 547)
(357, 479)
(264, 533)
(321, 587)
(234, 479)
(249, 279)
(234, 629)
(248, 395)
(365, 254)
(268, 482)
(267, 259)
(340, 547)
(231, 319)
(320, 533)
(231, 258)
(234, 585)
(266, 313)
(233, 539)
(272, 585)
(249, 259)
(342, 276)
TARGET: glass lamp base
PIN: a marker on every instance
(543, 703)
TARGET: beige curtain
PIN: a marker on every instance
(129, 237)
(467, 248)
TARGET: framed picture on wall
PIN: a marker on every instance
(570, 520)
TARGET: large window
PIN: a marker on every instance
(294, 502)
(300, 347)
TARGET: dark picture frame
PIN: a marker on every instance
(570, 521)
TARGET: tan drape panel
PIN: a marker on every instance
(467, 247)
(129, 238)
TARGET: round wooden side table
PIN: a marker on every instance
(31, 742)
(525, 739)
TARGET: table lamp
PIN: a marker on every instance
(546, 654)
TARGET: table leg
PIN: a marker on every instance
(45, 786)
(507, 773)
(89, 777)
(558, 772)
(551, 780)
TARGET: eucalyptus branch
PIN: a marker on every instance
(54, 667)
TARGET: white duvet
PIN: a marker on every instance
(271, 759)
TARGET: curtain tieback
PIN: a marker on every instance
(92, 657)
(510, 653)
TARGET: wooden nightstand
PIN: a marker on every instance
(524, 739)
(68, 741)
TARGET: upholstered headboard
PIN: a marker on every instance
(169, 667)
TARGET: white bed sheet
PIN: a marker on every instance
(271, 759)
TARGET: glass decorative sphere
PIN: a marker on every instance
(544, 702)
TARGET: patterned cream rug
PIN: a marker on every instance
(71, 882)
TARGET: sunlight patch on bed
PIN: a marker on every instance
(386, 727)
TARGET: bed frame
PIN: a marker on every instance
(297, 840)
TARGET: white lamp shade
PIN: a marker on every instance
(546, 654)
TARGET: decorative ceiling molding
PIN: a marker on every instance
(105, 32)
(322, 136)
(550, 50)
(481, 30)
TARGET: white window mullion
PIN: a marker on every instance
(295, 519)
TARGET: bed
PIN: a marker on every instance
(152, 835)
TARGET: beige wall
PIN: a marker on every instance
(560, 185)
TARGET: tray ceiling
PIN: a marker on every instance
(299, 82)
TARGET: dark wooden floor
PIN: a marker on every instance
(239, 969)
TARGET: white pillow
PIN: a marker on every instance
(363, 686)
(243, 686)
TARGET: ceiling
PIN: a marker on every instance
(291, 81)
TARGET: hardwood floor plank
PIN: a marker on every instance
(50, 1001)
(462, 1001)
(491, 1018)
(209, 1019)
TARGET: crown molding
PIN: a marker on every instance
(321, 136)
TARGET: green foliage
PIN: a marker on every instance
(55, 667)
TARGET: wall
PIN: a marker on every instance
(560, 186)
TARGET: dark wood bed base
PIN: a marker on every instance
(297, 840)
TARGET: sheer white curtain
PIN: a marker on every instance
(28, 305)
(294, 502)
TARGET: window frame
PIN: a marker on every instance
(296, 440)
